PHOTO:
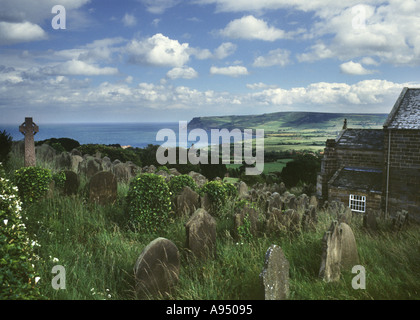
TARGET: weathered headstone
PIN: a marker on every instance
(331, 254)
(275, 275)
(251, 215)
(339, 251)
(71, 185)
(157, 269)
(309, 218)
(90, 166)
(103, 188)
(400, 220)
(369, 220)
(349, 254)
(201, 234)
(187, 201)
(29, 129)
(274, 201)
(243, 190)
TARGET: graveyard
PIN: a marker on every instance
(124, 232)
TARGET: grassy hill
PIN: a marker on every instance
(293, 130)
(279, 121)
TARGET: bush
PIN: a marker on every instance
(303, 169)
(17, 274)
(60, 144)
(177, 183)
(59, 179)
(149, 202)
(5, 146)
(230, 189)
(217, 194)
(33, 183)
(112, 152)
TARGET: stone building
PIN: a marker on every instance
(377, 169)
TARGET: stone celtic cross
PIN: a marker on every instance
(29, 129)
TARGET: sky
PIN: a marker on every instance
(172, 60)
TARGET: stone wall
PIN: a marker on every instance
(404, 172)
(373, 199)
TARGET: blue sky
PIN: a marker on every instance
(172, 60)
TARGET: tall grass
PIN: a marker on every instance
(98, 249)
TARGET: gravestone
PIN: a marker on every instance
(309, 218)
(103, 188)
(187, 201)
(249, 213)
(29, 129)
(339, 251)
(157, 269)
(275, 275)
(201, 234)
(242, 190)
(349, 255)
(331, 254)
(71, 185)
(369, 220)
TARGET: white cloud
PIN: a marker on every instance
(158, 6)
(224, 50)
(277, 57)
(251, 28)
(158, 50)
(232, 71)
(129, 20)
(374, 94)
(184, 73)
(11, 32)
(259, 85)
(354, 68)
(76, 67)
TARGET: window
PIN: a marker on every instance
(357, 203)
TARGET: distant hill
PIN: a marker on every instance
(287, 121)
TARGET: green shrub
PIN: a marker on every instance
(111, 152)
(149, 202)
(231, 191)
(5, 146)
(33, 183)
(177, 183)
(17, 274)
(59, 179)
(217, 195)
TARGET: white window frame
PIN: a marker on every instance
(357, 203)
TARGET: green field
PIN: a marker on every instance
(269, 167)
(297, 131)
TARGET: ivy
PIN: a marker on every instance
(33, 183)
(177, 183)
(149, 202)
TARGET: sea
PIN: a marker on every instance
(136, 135)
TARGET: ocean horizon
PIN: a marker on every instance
(136, 135)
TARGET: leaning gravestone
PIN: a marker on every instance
(157, 269)
(275, 275)
(201, 234)
(29, 129)
(71, 185)
(187, 201)
(103, 188)
(339, 251)
(331, 254)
